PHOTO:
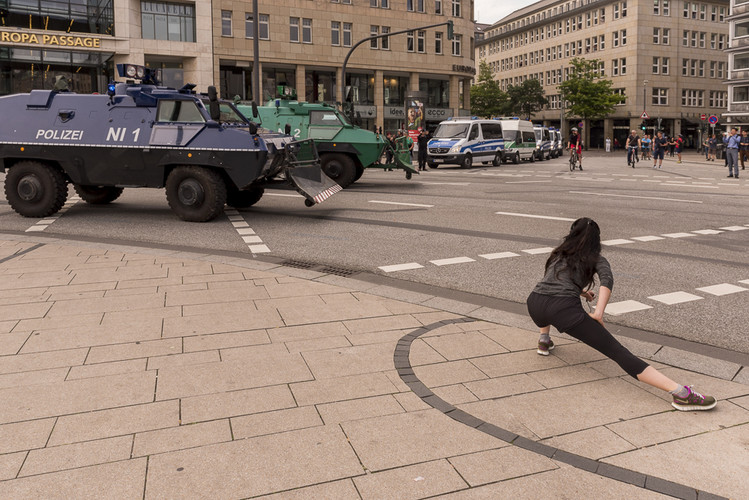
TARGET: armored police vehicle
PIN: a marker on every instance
(206, 154)
(466, 140)
(345, 150)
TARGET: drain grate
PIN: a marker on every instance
(338, 271)
(298, 264)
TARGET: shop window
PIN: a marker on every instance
(173, 21)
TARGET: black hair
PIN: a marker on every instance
(579, 250)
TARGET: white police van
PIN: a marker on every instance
(543, 142)
(464, 141)
(557, 147)
(520, 139)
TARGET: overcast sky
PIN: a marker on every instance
(491, 11)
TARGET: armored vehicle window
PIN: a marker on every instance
(179, 111)
(229, 114)
(451, 131)
(324, 118)
(491, 131)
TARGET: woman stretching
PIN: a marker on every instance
(556, 301)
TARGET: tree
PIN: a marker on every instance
(586, 90)
(487, 99)
(525, 99)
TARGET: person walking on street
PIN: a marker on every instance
(712, 145)
(659, 149)
(555, 301)
(732, 142)
(678, 144)
(389, 149)
(423, 141)
(646, 142)
(743, 147)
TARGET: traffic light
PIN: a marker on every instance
(450, 32)
(644, 125)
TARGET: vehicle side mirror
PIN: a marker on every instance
(255, 113)
(213, 106)
(253, 128)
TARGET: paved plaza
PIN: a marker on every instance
(151, 373)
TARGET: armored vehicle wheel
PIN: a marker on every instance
(359, 173)
(245, 198)
(195, 194)
(98, 195)
(467, 161)
(339, 167)
(34, 189)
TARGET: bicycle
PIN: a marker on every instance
(575, 160)
(632, 156)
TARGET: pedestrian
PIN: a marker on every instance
(423, 141)
(659, 149)
(608, 144)
(732, 142)
(646, 142)
(712, 144)
(410, 143)
(616, 144)
(679, 143)
(555, 301)
(390, 147)
(671, 147)
(743, 147)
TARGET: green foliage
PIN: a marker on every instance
(588, 93)
(487, 98)
(525, 99)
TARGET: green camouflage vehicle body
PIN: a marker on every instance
(345, 150)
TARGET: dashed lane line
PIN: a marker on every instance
(499, 255)
(401, 267)
(722, 289)
(678, 235)
(637, 197)
(735, 228)
(401, 204)
(47, 221)
(249, 237)
(648, 238)
(707, 231)
(625, 306)
(454, 260)
(530, 216)
(620, 241)
(538, 251)
(675, 298)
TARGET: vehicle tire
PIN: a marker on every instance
(467, 161)
(497, 160)
(516, 158)
(98, 195)
(195, 194)
(339, 167)
(359, 173)
(433, 165)
(244, 198)
(572, 164)
(34, 189)
(532, 158)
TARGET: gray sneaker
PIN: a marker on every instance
(694, 401)
(545, 347)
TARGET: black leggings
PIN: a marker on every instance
(566, 314)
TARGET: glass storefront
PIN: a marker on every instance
(395, 88)
(438, 92)
(235, 81)
(320, 86)
(362, 88)
(65, 16)
(274, 78)
(22, 70)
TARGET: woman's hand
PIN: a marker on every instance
(597, 317)
(588, 295)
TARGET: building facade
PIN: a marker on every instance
(83, 40)
(303, 44)
(738, 64)
(665, 57)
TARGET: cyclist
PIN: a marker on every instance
(576, 144)
(646, 142)
(633, 142)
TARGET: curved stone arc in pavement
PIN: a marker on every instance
(646, 481)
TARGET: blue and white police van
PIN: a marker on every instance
(543, 142)
(464, 141)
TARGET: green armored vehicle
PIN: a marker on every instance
(345, 150)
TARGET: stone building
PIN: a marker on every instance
(665, 56)
(303, 45)
(738, 64)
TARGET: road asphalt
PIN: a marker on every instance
(142, 372)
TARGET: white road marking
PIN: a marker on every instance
(632, 196)
(639, 175)
(455, 260)
(43, 224)
(535, 216)
(286, 195)
(245, 230)
(402, 204)
(722, 289)
(500, 255)
(616, 242)
(678, 235)
(689, 186)
(707, 231)
(648, 238)
(254, 243)
(401, 267)
(746, 282)
(625, 306)
(259, 249)
(735, 228)
(525, 182)
(446, 183)
(538, 251)
(252, 239)
(675, 298)
(240, 224)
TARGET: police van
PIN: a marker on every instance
(464, 141)
(543, 142)
(520, 139)
(556, 142)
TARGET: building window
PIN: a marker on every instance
(456, 8)
(660, 97)
(263, 26)
(294, 29)
(718, 98)
(438, 43)
(420, 6)
(225, 23)
(335, 32)
(307, 31)
(385, 42)
(347, 36)
(741, 29)
(741, 94)
(374, 31)
(410, 41)
(169, 21)
(457, 49)
(385, 4)
(421, 41)
(622, 93)
(438, 7)
(619, 67)
(692, 98)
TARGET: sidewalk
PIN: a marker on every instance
(147, 373)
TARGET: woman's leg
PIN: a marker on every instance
(653, 377)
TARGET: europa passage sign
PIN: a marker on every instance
(50, 39)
